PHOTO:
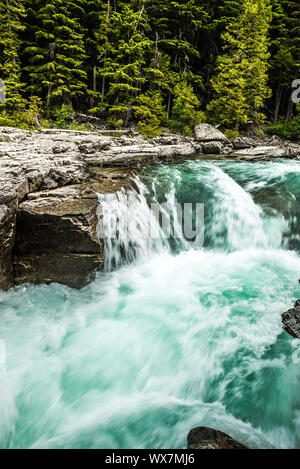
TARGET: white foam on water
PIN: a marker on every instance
(156, 347)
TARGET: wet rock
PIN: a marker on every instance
(7, 236)
(265, 152)
(212, 148)
(242, 143)
(209, 133)
(207, 438)
(291, 321)
(56, 239)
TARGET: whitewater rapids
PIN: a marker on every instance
(169, 337)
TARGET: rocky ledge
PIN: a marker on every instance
(49, 182)
(212, 141)
(207, 438)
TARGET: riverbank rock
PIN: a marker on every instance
(291, 321)
(209, 133)
(262, 153)
(241, 143)
(137, 155)
(56, 238)
(212, 148)
(207, 438)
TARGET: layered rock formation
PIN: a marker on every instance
(56, 238)
(207, 438)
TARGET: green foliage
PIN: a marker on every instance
(55, 50)
(287, 129)
(8, 120)
(11, 14)
(28, 118)
(64, 118)
(149, 62)
(231, 134)
(241, 82)
(31, 115)
(115, 123)
(149, 109)
(186, 113)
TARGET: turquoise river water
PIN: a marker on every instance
(171, 336)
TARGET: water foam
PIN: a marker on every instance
(154, 348)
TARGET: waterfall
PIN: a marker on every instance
(133, 228)
(234, 222)
(125, 223)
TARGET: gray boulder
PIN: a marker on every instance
(240, 143)
(208, 133)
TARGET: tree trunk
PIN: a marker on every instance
(169, 106)
(277, 102)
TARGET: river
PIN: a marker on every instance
(172, 335)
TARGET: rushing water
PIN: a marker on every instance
(169, 337)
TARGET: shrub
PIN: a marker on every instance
(149, 109)
(186, 113)
(287, 129)
(64, 118)
(231, 134)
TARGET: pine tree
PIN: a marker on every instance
(56, 50)
(220, 14)
(97, 46)
(241, 83)
(292, 11)
(125, 58)
(150, 112)
(11, 14)
(186, 110)
(151, 62)
(176, 27)
(285, 50)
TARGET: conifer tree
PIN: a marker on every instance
(56, 50)
(151, 62)
(241, 83)
(125, 59)
(285, 50)
(11, 15)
